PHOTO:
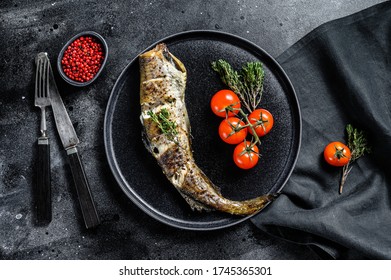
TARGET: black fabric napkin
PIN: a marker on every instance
(341, 72)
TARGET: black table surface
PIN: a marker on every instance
(126, 232)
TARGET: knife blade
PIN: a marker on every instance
(70, 141)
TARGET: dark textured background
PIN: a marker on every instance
(28, 27)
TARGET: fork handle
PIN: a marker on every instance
(43, 186)
(87, 204)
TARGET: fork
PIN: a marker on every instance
(43, 199)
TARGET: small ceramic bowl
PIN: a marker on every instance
(101, 40)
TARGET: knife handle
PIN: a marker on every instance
(43, 186)
(87, 205)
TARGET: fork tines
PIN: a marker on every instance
(42, 81)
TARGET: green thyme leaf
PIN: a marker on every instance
(247, 84)
(357, 142)
(162, 119)
(359, 146)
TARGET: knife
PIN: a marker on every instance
(69, 141)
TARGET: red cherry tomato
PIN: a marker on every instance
(231, 130)
(337, 154)
(244, 157)
(221, 100)
(263, 121)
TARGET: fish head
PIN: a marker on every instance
(160, 56)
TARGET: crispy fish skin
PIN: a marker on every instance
(162, 86)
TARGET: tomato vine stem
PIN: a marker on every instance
(239, 111)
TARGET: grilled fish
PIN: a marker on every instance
(167, 134)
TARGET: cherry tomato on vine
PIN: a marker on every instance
(221, 100)
(232, 130)
(263, 121)
(246, 157)
(337, 154)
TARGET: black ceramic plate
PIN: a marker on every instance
(136, 170)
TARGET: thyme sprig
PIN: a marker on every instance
(247, 83)
(358, 145)
(162, 119)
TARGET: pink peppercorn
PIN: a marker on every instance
(83, 58)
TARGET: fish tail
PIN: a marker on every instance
(251, 206)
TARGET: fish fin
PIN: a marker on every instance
(194, 204)
(273, 196)
(216, 188)
(145, 141)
